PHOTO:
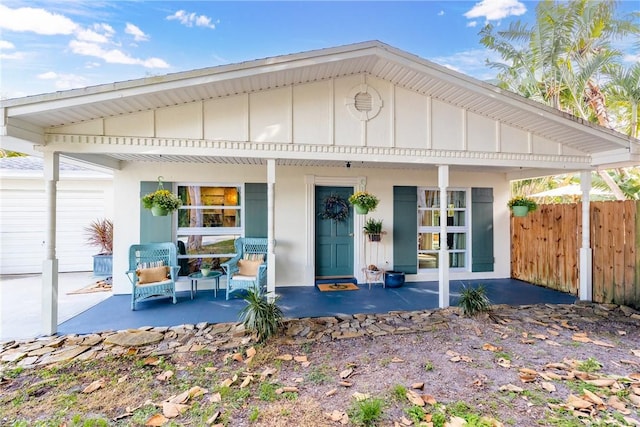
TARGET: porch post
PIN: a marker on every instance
(443, 261)
(271, 255)
(586, 256)
(50, 263)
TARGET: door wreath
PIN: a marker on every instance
(335, 208)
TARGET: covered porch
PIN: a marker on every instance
(299, 302)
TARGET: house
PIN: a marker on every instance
(258, 146)
(84, 195)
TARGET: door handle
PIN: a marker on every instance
(350, 234)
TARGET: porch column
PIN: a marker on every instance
(271, 255)
(443, 261)
(586, 256)
(50, 263)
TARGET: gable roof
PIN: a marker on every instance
(33, 114)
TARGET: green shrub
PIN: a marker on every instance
(366, 412)
(260, 315)
(474, 300)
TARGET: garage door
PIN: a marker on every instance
(23, 222)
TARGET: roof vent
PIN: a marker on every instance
(363, 102)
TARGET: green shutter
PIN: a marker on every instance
(405, 229)
(482, 229)
(255, 210)
(154, 229)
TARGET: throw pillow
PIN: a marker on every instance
(253, 257)
(248, 267)
(153, 274)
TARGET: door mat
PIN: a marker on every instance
(327, 287)
(99, 286)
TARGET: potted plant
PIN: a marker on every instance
(363, 202)
(161, 202)
(373, 229)
(522, 205)
(100, 233)
(205, 268)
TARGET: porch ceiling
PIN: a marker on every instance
(371, 58)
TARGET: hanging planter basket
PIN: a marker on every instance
(361, 210)
(374, 237)
(159, 211)
(161, 202)
(363, 202)
(520, 210)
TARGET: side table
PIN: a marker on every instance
(198, 277)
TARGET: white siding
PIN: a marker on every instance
(292, 219)
(23, 222)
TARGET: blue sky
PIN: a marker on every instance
(48, 46)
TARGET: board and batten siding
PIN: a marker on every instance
(23, 224)
(317, 113)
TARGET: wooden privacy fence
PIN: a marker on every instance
(545, 249)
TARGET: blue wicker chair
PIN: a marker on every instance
(252, 249)
(153, 271)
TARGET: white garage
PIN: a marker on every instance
(83, 196)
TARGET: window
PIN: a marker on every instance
(429, 228)
(209, 221)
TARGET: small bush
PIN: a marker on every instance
(367, 412)
(474, 300)
(261, 316)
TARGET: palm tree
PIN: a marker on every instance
(624, 96)
(561, 58)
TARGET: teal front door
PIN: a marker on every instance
(334, 239)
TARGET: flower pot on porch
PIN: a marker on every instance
(520, 210)
(158, 211)
(361, 210)
(393, 279)
(102, 265)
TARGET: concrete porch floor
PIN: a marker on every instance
(88, 313)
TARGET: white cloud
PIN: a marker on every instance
(49, 75)
(6, 45)
(113, 56)
(191, 19)
(472, 24)
(39, 21)
(441, 13)
(494, 10)
(137, 33)
(470, 62)
(91, 36)
(64, 81)
(631, 58)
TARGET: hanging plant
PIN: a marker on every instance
(335, 208)
(161, 202)
(364, 202)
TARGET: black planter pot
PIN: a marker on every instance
(393, 279)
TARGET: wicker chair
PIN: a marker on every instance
(247, 249)
(153, 271)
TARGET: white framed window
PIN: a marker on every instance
(429, 228)
(210, 219)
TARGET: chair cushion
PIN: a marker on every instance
(249, 267)
(153, 274)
